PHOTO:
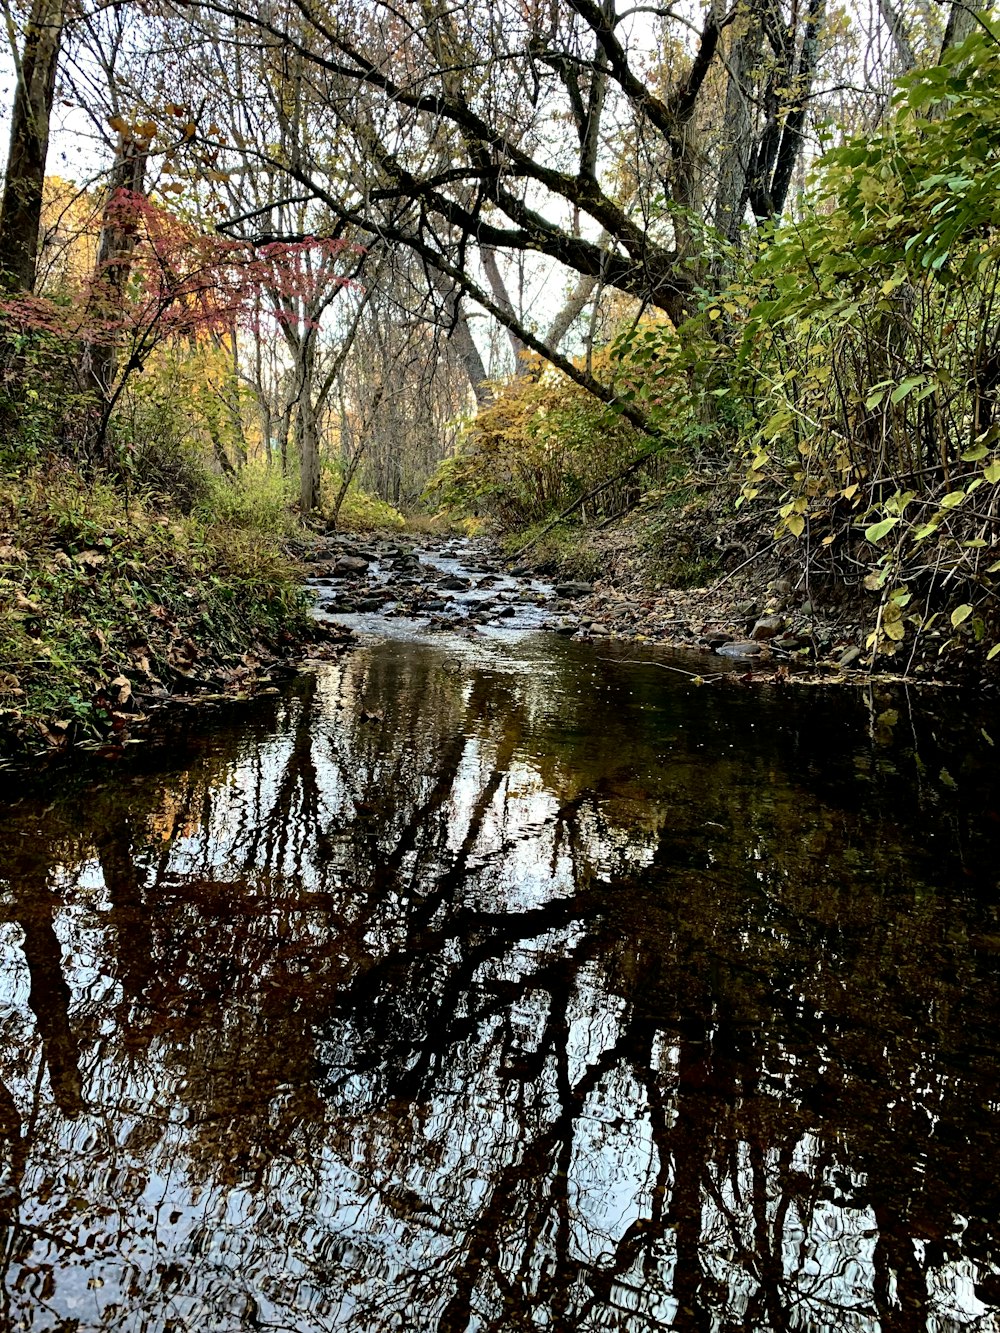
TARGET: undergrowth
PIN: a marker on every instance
(107, 604)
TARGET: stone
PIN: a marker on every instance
(848, 658)
(767, 627)
(566, 627)
(573, 588)
(506, 612)
(452, 583)
(739, 648)
(598, 628)
(350, 565)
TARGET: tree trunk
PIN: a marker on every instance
(500, 294)
(961, 21)
(461, 340)
(307, 432)
(571, 311)
(21, 210)
(737, 130)
(99, 361)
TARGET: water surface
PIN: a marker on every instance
(504, 986)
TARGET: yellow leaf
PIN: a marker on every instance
(795, 524)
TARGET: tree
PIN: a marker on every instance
(498, 130)
(21, 209)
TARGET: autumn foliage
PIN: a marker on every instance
(172, 280)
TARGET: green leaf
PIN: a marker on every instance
(960, 614)
(877, 531)
(908, 385)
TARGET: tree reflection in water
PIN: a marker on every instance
(505, 994)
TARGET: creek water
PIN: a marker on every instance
(503, 984)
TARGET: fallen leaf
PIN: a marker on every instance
(123, 689)
(89, 559)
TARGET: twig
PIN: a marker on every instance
(664, 666)
(742, 565)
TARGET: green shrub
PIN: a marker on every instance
(258, 498)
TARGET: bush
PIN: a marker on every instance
(873, 363)
(542, 443)
(363, 512)
(258, 498)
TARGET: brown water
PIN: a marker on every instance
(507, 987)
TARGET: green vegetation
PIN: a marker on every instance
(869, 360)
(832, 407)
(108, 603)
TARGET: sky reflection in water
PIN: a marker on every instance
(507, 989)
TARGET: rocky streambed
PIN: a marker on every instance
(392, 585)
(442, 584)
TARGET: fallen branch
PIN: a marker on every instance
(665, 666)
(589, 495)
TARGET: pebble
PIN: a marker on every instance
(767, 627)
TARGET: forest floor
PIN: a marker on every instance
(112, 611)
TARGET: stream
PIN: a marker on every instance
(492, 979)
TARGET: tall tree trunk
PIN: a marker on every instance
(582, 291)
(307, 430)
(961, 21)
(99, 360)
(900, 37)
(460, 338)
(500, 294)
(737, 130)
(21, 209)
